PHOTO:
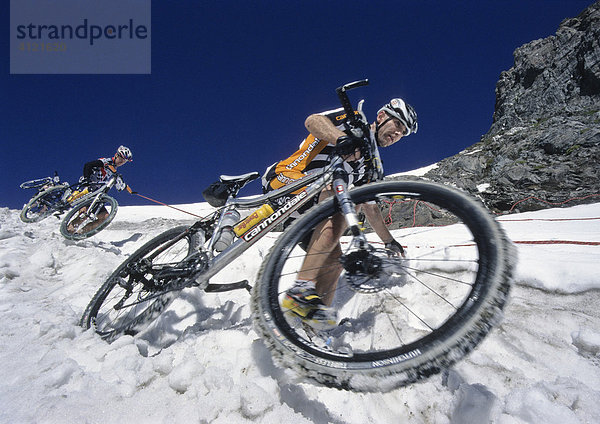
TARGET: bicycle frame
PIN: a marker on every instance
(315, 183)
(105, 188)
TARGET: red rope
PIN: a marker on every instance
(547, 219)
(552, 203)
(388, 219)
(169, 206)
(391, 204)
(583, 243)
(575, 242)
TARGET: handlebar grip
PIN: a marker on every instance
(352, 85)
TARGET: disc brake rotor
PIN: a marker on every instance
(373, 271)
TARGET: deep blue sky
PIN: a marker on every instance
(233, 81)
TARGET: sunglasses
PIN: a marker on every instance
(122, 156)
(398, 124)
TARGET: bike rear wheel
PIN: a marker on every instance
(406, 318)
(36, 183)
(136, 293)
(81, 223)
(42, 204)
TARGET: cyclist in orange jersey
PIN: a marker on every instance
(329, 133)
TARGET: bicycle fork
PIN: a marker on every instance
(348, 209)
(88, 216)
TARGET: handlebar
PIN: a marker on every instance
(356, 122)
(341, 92)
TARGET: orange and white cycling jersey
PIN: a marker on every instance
(313, 154)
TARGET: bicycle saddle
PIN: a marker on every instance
(242, 179)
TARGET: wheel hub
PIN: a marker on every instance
(372, 271)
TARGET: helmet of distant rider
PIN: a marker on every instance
(404, 112)
(125, 153)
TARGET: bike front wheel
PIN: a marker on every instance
(402, 318)
(82, 221)
(42, 204)
(138, 291)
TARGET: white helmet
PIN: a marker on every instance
(125, 153)
(404, 112)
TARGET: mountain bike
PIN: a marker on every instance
(90, 208)
(405, 317)
(49, 198)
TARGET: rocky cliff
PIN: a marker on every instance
(545, 138)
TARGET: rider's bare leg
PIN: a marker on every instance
(321, 264)
(327, 281)
(72, 227)
(100, 218)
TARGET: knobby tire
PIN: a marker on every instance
(42, 204)
(432, 309)
(66, 226)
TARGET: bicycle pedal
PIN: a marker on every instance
(323, 339)
(345, 322)
(293, 320)
(219, 288)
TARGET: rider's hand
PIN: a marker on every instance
(348, 145)
(120, 184)
(394, 248)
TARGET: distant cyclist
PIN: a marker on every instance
(315, 284)
(98, 171)
(95, 173)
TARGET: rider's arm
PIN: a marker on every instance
(88, 168)
(376, 220)
(373, 214)
(322, 128)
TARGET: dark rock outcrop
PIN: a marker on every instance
(545, 138)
